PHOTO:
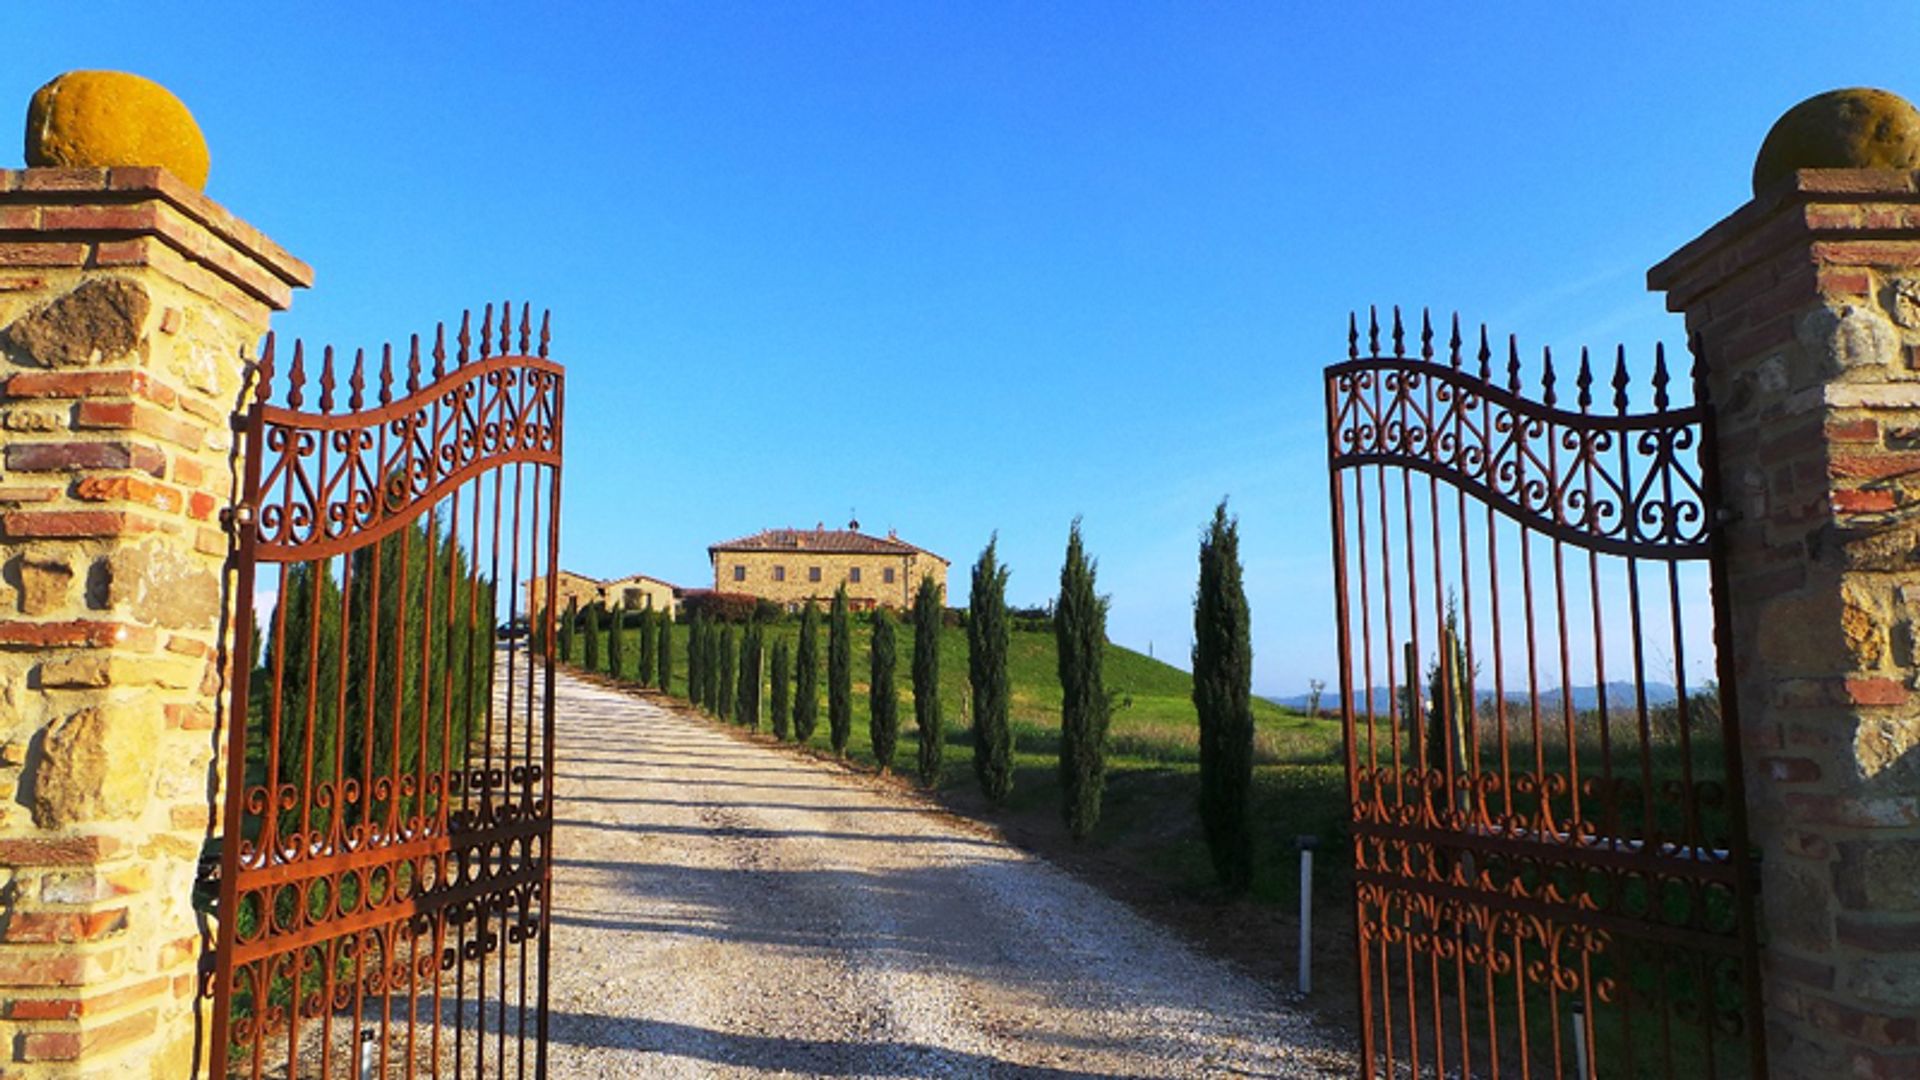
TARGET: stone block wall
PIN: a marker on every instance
(872, 589)
(130, 306)
(1806, 303)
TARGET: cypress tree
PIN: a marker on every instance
(593, 636)
(695, 653)
(739, 712)
(839, 673)
(752, 656)
(987, 674)
(664, 653)
(926, 678)
(1080, 630)
(806, 674)
(617, 643)
(710, 670)
(705, 631)
(1449, 704)
(782, 671)
(883, 707)
(566, 630)
(1222, 689)
(724, 697)
(644, 676)
(539, 636)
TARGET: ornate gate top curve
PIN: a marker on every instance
(337, 480)
(1625, 483)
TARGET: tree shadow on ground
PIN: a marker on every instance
(780, 1054)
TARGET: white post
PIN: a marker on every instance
(1580, 1064)
(1306, 845)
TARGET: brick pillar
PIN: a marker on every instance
(1807, 303)
(129, 307)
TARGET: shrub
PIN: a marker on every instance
(987, 675)
(566, 630)
(1037, 619)
(721, 606)
(1222, 689)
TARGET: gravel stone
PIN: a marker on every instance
(723, 908)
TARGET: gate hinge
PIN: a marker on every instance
(233, 517)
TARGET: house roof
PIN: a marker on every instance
(830, 541)
(642, 577)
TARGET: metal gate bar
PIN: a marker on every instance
(385, 859)
(1551, 864)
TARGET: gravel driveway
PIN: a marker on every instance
(727, 909)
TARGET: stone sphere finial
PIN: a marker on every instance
(1857, 128)
(93, 119)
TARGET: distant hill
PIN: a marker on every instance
(1620, 695)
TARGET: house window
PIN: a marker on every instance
(632, 598)
(739, 573)
(887, 575)
(779, 573)
(853, 574)
(813, 573)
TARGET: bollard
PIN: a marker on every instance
(1580, 1061)
(1306, 845)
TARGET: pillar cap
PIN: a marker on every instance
(1854, 128)
(1806, 206)
(113, 216)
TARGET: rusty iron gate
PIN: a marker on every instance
(384, 859)
(1552, 876)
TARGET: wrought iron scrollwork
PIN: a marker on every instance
(1624, 483)
(336, 481)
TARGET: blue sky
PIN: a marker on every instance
(975, 267)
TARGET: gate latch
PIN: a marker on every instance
(233, 517)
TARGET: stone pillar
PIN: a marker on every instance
(129, 308)
(1807, 306)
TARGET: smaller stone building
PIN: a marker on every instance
(791, 566)
(636, 592)
(633, 592)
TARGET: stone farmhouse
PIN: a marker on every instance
(791, 566)
(633, 592)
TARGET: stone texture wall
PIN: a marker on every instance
(129, 308)
(873, 588)
(578, 588)
(637, 593)
(1807, 304)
